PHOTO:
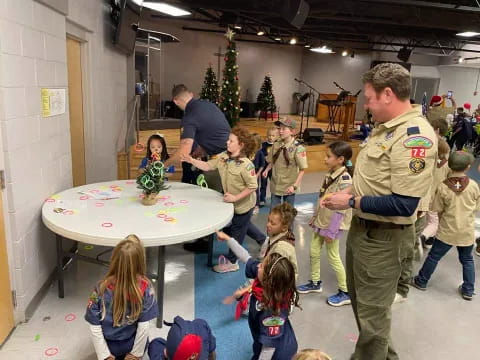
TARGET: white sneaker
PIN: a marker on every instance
(399, 298)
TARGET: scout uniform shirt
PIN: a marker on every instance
(237, 175)
(439, 112)
(337, 181)
(399, 157)
(439, 175)
(266, 328)
(284, 174)
(120, 339)
(456, 201)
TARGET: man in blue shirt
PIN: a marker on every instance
(204, 124)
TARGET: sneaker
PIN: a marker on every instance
(429, 242)
(416, 284)
(256, 210)
(339, 299)
(466, 296)
(224, 265)
(310, 287)
(262, 203)
(477, 249)
(399, 298)
(199, 246)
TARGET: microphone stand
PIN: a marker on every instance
(312, 92)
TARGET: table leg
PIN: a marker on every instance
(160, 284)
(210, 250)
(61, 291)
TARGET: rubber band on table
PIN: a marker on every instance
(169, 203)
(84, 197)
(70, 317)
(162, 216)
(107, 225)
(129, 182)
(170, 219)
(68, 212)
(99, 204)
(50, 200)
(183, 201)
(51, 351)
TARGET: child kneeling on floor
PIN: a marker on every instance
(456, 201)
(273, 296)
(122, 304)
(186, 340)
(328, 226)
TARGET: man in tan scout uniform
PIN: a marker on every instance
(288, 159)
(393, 171)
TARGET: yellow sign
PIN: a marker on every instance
(53, 102)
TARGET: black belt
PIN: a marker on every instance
(372, 224)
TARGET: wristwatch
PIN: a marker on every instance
(351, 202)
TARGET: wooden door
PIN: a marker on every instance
(75, 100)
(6, 304)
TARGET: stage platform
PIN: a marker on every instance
(315, 153)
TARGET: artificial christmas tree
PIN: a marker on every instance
(151, 182)
(230, 98)
(266, 99)
(210, 87)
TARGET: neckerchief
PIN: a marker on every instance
(457, 184)
(275, 157)
(441, 163)
(329, 180)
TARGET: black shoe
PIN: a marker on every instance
(429, 242)
(199, 246)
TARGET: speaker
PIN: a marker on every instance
(248, 109)
(313, 136)
(295, 12)
(404, 54)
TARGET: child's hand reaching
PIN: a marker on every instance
(221, 236)
(229, 198)
(186, 158)
(265, 174)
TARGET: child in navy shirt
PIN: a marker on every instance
(260, 163)
(156, 150)
(273, 295)
(186, 340)
(272, 136)
(122, 304)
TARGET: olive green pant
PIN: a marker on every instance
(373, 263)
(412, 253)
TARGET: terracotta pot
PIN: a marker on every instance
(150, 199)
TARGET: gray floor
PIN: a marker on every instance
(436, 324)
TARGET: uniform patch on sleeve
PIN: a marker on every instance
(416, 166)
(413, 130)
(345, 177)
(420, 142)
(250, 167)
(343, 186)
(389, 135)
(93, 299)
(301, 151)
(273, 321)
(273, 330)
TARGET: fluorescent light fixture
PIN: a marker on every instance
(138, 2)
(238, 27)
(322, 50)
(308, 45)
(260, 33)
(166, 9)
(468, 34)
(278, 39)
(293, 41)
(461, 60)
(344, 53)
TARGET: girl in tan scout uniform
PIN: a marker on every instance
(288, 161)
(239, 183)
(328, 226)
(457, 199)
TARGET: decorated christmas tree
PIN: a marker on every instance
(210, 87)
(230, 97)
(266, 99)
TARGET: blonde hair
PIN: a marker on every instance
(311, 354)
(272, 129)
(125, 274)
(443, 149)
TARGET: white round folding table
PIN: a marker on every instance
(105, 213)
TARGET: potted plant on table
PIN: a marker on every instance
(151, 182)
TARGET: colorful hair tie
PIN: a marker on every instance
(349, 163)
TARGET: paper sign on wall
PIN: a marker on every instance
(53, 102)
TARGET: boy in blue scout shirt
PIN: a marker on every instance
(186, 340)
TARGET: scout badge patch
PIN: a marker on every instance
(420, 142)
(301, 151)
(251, 168)
(418, 146)
(273, 324)
(416, 165)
